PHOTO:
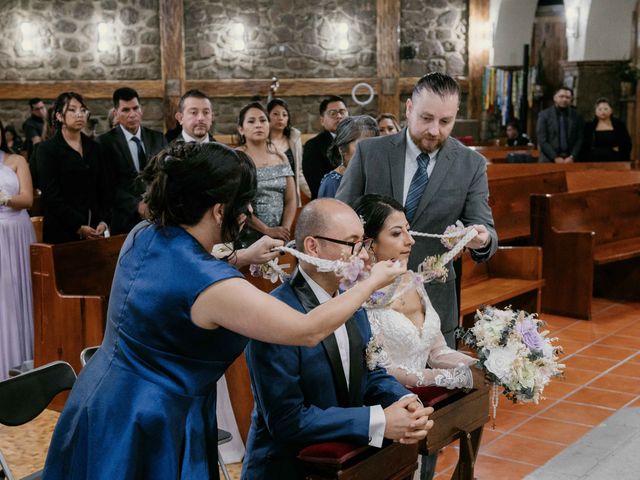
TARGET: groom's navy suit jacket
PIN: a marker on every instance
(301, 395)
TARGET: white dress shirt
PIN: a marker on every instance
(411, 164)
(377, 421)
(189, 138)
(133, 147)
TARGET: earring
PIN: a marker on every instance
(372, 256)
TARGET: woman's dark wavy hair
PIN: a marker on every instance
(279, 102)
(3, 140)
(61, 104)
(187, 179)
(374, 210)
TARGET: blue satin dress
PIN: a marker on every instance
(144, 406)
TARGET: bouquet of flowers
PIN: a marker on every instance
(514, 353)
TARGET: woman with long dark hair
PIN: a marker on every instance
(16, 234)
(275, 203)
(606, 138)
(144, 406)
(72, 176)
(287, 139)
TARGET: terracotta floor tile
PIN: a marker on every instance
(602, 398)
(571, 346)
(558, 388)
(577, 376)
(558, 322)
(636, 403)
(551, 430)
(447, 458)
(581, 333)
(489, 435)
(628, 369)
(582, 414)
(492, 468)
(620, 341)
(506, 420)
(607, 351)
(618, 383)
(513, 447)
(589, 363)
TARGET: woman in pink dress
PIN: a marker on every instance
(16, 234)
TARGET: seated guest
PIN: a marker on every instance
(514, 137)
(14, 142)
(144, 406)
(287, 140)
(349, 132)
(72, 176)
(315, 163)
(408, 328)
(275, 203)
(606, 138)
(128, 147)
(307, 395)
(16, 235)
(388, 124)
(112, 119)
(195, 117)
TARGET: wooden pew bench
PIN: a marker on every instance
(71, 286)
(512, 275)
(591, 242)
(500, 154)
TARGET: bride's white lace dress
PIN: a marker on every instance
(407, 349)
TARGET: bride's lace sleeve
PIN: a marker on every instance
(441, 356)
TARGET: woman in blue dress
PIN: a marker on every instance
(144, 406)
(349, 132)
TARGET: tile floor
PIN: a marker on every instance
(602, 376)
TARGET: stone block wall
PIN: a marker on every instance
(66, 40)
(283, 38)
(438, 31)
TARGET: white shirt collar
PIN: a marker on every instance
(128, 135)
(320, 293)
(189, 138)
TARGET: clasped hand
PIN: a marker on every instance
(407, 420)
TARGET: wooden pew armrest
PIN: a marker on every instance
(517, 262)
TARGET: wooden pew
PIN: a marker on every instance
(510, 187)
(71, 286)
(499, 154)
(512, 276)
(589, 237)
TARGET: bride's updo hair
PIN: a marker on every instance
(373, 210)
(186, 179)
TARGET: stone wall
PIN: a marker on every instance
(283, 38)
(438, 31)
(16, 112)
(65, 43)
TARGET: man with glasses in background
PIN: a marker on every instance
(315, 163)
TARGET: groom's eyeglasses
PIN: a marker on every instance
(356, 247)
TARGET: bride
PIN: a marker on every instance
(405, 324)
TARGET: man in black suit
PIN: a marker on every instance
(559, 129)
(128, 146)
(315, 163)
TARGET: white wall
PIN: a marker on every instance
(604, 29)
(512, 26)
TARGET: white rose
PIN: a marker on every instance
(500, 363)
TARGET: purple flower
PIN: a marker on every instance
(528, 330)
(352, 272)
(254, 270)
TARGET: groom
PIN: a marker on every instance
(307, 395)
(437, 179)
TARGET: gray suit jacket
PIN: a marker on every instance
(457, 190)
(548, 132)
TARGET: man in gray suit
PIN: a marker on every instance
(559, 129)
(435, 177)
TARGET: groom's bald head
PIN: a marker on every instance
(327, 217)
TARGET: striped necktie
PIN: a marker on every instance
(142, 157)
(417, 186)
